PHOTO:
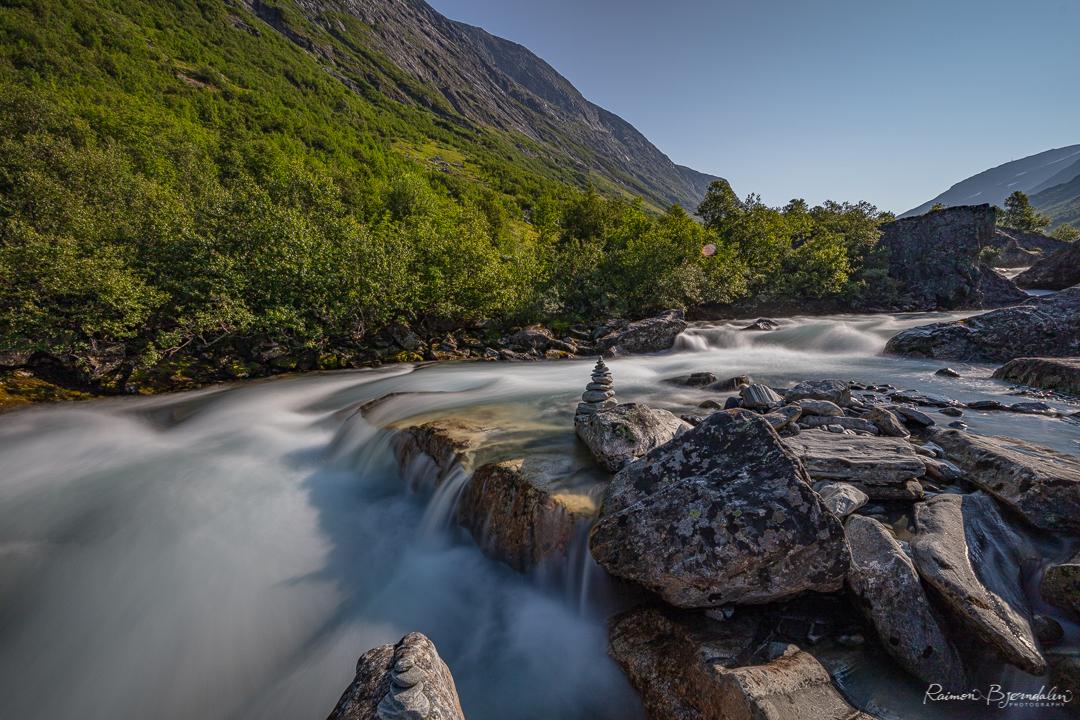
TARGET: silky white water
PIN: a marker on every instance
(229, 553)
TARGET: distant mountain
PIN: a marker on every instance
(1030, 175)
(488, 81)
(1061, 202)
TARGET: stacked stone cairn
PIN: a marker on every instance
(599, 393)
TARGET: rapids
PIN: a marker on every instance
(230, 552)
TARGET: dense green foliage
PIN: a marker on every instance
(179, 179)
(1066, 233)
(1020, 215)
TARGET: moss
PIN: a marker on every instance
(19, 389)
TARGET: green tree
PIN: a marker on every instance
(1020, 215)
(937, 207)
(1066, 233)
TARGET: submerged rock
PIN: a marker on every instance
(973, 560)
(884, 581)
(690, 667)
(653, 334)
(1046, 326)
(406, 681)
(1040, 484)
(619, 435)
(722, 514)
(1061, 374)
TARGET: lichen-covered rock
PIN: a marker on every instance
(517, 514)
(834, 391)
(1040, 484)
(619, 435)
(722, 514)
(1061, 374)
(1056, 271)
(888, 591)
(406, 681)
(1046, 326)
(653, 334)
(867, 460)
(688, 667)
(974, 561)
(1060, 586)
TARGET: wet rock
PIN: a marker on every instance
(820, 408)
(711, 405)
(1056, 271)
(653, 334)
(1060, 586)
(911, 416)
(835, 391)
(730, 384)
(947, 372)
(847, 423)
(958, 425)
(1046, 326)
(1065, 672)
(447, 443)
(924, 399)
(722, 514)
(1061, 374)
(732, 403)
(969, 556)
(762, 325)
(841, 499)
(698, 379)
(1033, 408)
(887, 588)
(1040, 484)
(619, 435)
(516, 512)
(406, 681)
(867, 460)
(987, 405)
(1047, 630)
(952, 412)
(886, 422)
(690, 667)
(759, 397)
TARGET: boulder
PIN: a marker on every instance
(835, 391)
(886, 422)
(1046, 326)
(730, 384)
(620, 435)
(1014, 256)
(724, 513)
(841, 499)
(516, 512)
(936, 259)
(397, 682)
(532, 337)
(1060, 586)
(947, 372)
(1061, 374)
(759, 397)
(653, 334)
(761, 325)
(1056, 271)
(964, 550)
(912, 416)
(698, 379)
(783, 417)
(1040, 484)
(865, 460)
(883, 580)
(820, 408)
(688, 667)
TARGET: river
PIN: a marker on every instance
(230, 552)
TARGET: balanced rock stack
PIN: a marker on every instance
(599, 393)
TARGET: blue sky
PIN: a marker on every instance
(890, 101)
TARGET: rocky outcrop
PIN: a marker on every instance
(1011, 255)
(1056, 271)
(1039, 484)
(517, 514)
(1061, 374)
(722, 514)
(1047, 326)
(654, 334)
(448, 443)
(1032, 242)
(1060, 586)
(936, 258)
(884, 581)
(621, 434)
(687, 667)
(406, 681)
(969, 556)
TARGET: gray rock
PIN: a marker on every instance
(947, 372)
(1061, 374)
(730, 384)
(690, 667)
(987, 405)
(906, 491)
(1033, 408)
(653, 334)
(868, 460)
(969, 556)
(722, 514)
(599, 393)
(820, 408)
(619, 435)
(884, 581)
(1056, 271)
(1040, 484)
(406, 681)
(783, 417)
(1046, 326)
(942, 470)
(597, 396)
(533, 337)
(914, 417)
(835, 391)
(841, 499)
(762, 325)
(952, 412)
(924, 399)
(698, 379)
(1060, 586)
(759, 397)
(847, 423)
(886, 422)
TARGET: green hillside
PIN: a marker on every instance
(1061, 203)
(182, 184)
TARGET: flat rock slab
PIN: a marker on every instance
(1062, 374)
(1040, 484)
(517, 513)
(690, 667)
(884, 581)
(406, 680)
(864, 460)
(722, 514)
(964, 550)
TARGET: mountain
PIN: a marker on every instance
(487, 81)
(1030, 174)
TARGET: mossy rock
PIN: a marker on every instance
(20, 388)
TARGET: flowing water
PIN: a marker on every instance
(229, 553)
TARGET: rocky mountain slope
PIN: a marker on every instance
(488, 81)
(1061, 202)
